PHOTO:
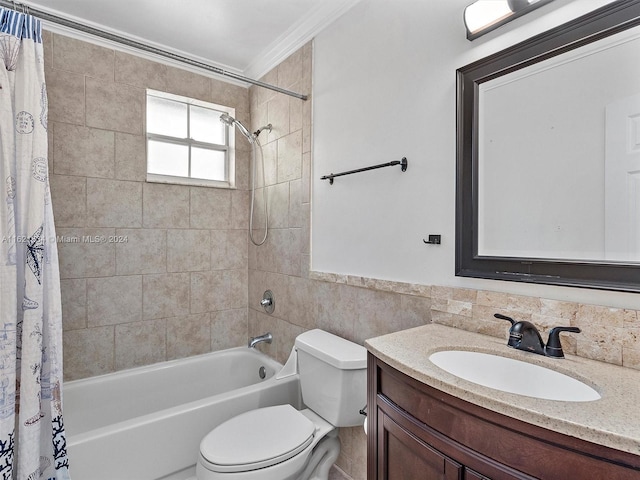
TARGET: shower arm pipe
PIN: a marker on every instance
(65, 22)
(403, 165)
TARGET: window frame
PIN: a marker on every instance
(228, 148)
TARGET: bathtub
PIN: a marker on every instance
(146, 423)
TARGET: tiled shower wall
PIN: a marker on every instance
(149, 272)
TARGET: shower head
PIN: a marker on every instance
(230, 121)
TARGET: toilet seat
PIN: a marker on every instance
(255, 439)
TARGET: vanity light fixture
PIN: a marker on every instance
(482, 16)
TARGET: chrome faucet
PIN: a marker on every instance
(525, 336)
(267, 338)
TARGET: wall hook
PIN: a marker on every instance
(433, 240)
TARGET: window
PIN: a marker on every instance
(187, 143)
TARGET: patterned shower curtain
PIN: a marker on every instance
(32, 438)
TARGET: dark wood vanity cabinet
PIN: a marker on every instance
(418, 432)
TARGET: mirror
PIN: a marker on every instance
(548, 186)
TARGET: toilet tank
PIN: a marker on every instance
(333, 377)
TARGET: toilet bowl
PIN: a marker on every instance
(281, 442)
(271, 443)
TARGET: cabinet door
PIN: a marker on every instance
(471, 475)
(403, 456)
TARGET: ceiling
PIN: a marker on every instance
(248, 37)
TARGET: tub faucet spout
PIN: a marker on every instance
(267, 338)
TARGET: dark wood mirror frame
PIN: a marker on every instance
(606, 21)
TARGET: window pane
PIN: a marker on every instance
(166, 117)
(207, 164)
(167, 159)
(206, 125)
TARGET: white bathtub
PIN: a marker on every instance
(146, 423)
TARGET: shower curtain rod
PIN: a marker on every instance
(141, 46)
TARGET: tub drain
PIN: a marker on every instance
(262, 372)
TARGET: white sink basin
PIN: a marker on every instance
(513, 376)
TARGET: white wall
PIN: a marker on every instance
(384, 88)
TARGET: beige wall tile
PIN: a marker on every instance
(305, 192)
(218, 290)
(86, 252)
(240, 210)
(165, 206)
(65, 92)
(74, 303)
(99, 252)
(188, 84)
(244, 166)
(290, 157)
(165, 295)
(47, 46)
(113, 203)
(69, 200)
(228, 249)
(82, 57)
(278, 198)
(337, 308)
(140, 343)
(307, 68)
(210, 208)
(278, 117)
(131, 160)
(83, 151)
(377, 314)
(414, 310)
(296, 110)
(259, 96)
(71, 252)
(88, 352)
(209, 291)
(270, 152)
(114, 106)
(301, 302)
(144, 252)
(224, 93)
(188, 250)
(290, 70)
(631, 358)
(188, 335)
(114, 300)
(287, 334)
(140, 72)
(259, 117)
(228, 329)
(238, 285)
(558, 309)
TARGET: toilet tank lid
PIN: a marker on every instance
(334, 350)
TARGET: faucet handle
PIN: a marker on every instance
(554, 347)
(504, 317)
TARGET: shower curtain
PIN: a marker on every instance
(32, 439)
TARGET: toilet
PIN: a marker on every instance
(282, 443)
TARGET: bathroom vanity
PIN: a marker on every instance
(425, 423)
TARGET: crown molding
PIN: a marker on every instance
(298, 35)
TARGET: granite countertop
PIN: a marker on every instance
(612, 421)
